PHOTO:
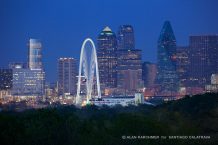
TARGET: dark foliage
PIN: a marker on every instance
(91, 125)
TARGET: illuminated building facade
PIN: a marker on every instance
(183, 65)
(6, 77)
(149, 71)
(135, 99)
(125, 37)
(35, 54)
(107, 58)
(203, 59)
(214, 79)
(67, 72)
(167, 77)
(28, 82)
(213, 87)
(129, 71)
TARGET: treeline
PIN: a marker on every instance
(91, 125)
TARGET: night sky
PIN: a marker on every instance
(62, 25)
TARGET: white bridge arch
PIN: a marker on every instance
(88, 69)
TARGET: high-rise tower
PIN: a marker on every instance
(125, 37)
(35, 54)
(129, 71)
(107, 58)
(166, 60)
(67, 71)
(203, 59)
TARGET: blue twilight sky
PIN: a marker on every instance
(62, 25)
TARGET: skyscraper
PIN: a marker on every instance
(35, 54)
(183, 65)
(203, 56)
(149, 71)
(107, 58)
(125, 37)
(6, 77)
(166, 60)
(67, 72)
(129, 70)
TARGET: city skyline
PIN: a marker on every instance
(108, 72)
(61, 29)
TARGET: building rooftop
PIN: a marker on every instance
(106, 29)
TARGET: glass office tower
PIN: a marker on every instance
(166, 60)
(35, 54)
(107, 58)
(203, 59)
